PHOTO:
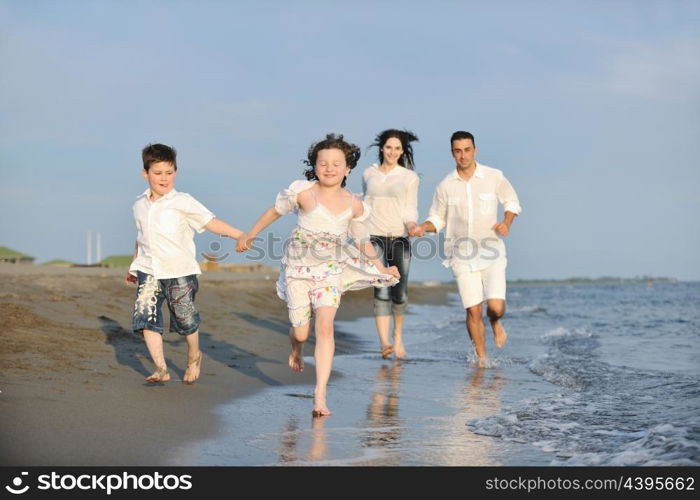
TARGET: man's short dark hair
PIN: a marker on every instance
(154, 153)
(461, 134)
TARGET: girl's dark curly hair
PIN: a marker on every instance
(406, 137)
(332, 141)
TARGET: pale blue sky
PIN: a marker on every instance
(591, 109)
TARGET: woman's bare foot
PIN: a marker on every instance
(160, 375)
(193, 368)
(296, 358)
(399, 350)
(499, 334)
(387, 351)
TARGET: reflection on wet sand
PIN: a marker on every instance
(479, 396)
(383, 427)
(292, 440)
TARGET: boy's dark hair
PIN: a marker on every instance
(461, 134)
(332, 141)
(153, 153)
(406, 137)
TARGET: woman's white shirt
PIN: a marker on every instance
(393, 198)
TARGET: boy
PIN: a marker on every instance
(164, 265)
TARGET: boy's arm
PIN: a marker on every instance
(130, 278)
(245, 240)
(220, 227)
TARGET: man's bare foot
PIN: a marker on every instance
(482, 362)
(399, 350)
(160, 375)
(296, 358)
(193, 368)
(499, 334)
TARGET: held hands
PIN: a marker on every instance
(501, 228)
(244, 243)
(416, 231)
(393, 270)
(130, 278)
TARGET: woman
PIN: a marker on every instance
(391, 190)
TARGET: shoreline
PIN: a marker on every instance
(72, 384)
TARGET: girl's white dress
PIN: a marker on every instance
(320, 261)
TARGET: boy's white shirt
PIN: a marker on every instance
(165, 234)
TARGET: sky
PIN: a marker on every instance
(591, 109)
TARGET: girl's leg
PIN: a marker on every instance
(297, 336)
(325, 348)
(154, 343)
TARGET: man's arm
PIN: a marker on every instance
(503, 228)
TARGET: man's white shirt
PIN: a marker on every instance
(468, 210)
(165, 234)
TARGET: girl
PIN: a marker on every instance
(391, 191)
(318, 263)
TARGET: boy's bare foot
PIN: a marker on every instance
(399, 350)
(499, 334)
(160, 375)
(193, 368)
(296, 358)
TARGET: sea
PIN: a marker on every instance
(591, 375)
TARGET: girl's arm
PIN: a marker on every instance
(220, 227)
(368, 250)
(245, 240)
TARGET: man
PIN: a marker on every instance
(465, 203)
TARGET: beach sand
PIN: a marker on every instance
(72, 372)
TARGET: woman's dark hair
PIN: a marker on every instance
(406, 137)
(332, 141)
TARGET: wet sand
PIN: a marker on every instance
(72, 372)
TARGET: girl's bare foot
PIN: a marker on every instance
(160, 375)
(193, 368)
(296, 358)
(320, 408)
(499, 334)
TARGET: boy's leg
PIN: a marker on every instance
(148, 319)
(194, 358)
(185, 320)
(154, 343)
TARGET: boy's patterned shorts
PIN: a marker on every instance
(179, 294)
